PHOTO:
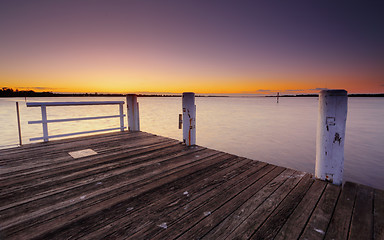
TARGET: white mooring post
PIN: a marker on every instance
(133, 113)
(189, 119)
(332, 117)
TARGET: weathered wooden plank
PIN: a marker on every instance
(279, 216)
(298, 219)
(341, 219)
(47, 160)
(70, 166)
(230, 223)
(236, 204)
(97, 159)
(165, 198)
(247, 228)
(214, 197)
(110, 185)
(174, 199)
(108, 178)
(116, 194)
(44, 145)
(196, 198)
(321, 216)
(362, 218)
(101, 165)
(94, 211)
(50, 157)
(31, 151)
(247, 188)
(378, 214)
(139, 184)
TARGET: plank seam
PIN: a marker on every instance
(245, 202)
(313, 209)
(373, 214)
(333, 212)
(278, 206)
(174, 194)
(138, 182)
(178, 236)
(353, 210)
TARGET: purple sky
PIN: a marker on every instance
(220, 45)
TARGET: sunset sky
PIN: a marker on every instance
(207, 46)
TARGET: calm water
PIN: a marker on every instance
(258, 128)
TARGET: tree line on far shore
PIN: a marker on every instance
(9, 92)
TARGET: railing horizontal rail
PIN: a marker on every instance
(77, 133)
(44, 121)
(76, 119)
(39, 104)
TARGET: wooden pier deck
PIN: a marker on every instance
(143, 186)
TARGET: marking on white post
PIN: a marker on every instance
(133, 113)
(189, 119)
(333, 105)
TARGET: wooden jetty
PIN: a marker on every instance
(136, 185)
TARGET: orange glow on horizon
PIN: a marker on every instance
(163, 84)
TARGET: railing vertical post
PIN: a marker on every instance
(331, 123)
(121, 108)
(133, 113)
(44, 122)
(18, 123)
(189, 119)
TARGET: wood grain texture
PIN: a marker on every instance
(143, 186)
(300, 216)
(362, 217)
(341, 219)
(378, 214)
(317, 225)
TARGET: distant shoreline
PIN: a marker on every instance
(9, 92)
(349, 95)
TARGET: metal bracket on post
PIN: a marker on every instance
(180, 121)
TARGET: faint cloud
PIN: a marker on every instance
(318, 89)
(256, 91)
(263, 90)
(294, 90)
(38, 88)
(150, 93)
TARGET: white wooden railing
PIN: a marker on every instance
(44, 121)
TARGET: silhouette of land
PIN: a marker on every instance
(349, 95)
(9, 92)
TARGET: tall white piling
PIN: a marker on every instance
(333, 105)
(189, 119)
(133, 113)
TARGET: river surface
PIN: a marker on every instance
(281, 133)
